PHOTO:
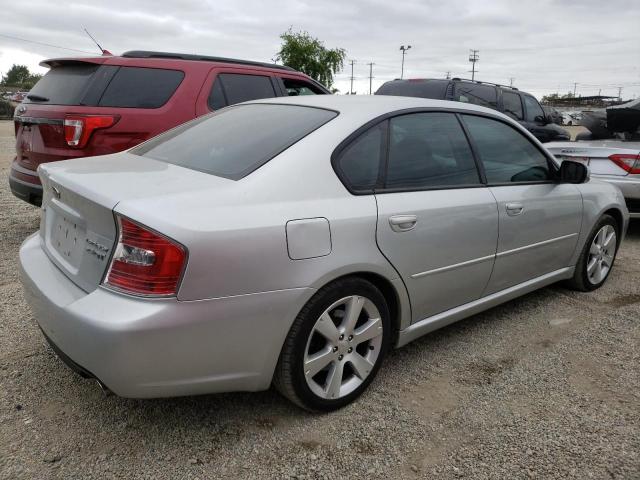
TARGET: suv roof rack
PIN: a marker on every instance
(201, 58)
(457, 79)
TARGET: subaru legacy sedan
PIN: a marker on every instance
(294, 241)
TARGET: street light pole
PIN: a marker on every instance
(404, 52)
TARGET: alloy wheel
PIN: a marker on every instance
(601, 254)
(343, 347)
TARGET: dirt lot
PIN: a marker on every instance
(546, 386)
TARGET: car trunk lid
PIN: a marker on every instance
(596, 154)
(78, 228)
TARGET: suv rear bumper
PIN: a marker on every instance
(25, 184)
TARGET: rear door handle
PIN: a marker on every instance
(514, 209)
(402, 223)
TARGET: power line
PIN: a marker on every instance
(371, 64)
(45, 44)
(473, 58)
(352, 62)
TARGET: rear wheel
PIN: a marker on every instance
(335, 346)
(597, 257)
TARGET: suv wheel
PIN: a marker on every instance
(335, 346)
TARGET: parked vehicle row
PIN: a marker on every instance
(294, 241)
(521, 106)
(95, 106)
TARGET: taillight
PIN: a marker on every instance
(78, 128)
(627, 162)
(145, 262)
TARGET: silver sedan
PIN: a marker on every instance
(293, 242)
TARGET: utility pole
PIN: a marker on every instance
(511, 79)
(619, 94)
(352, 62)
(473, 58)
(404, 52)
(371, 64)
(575, 84)
(448, 75)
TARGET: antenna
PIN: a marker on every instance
(102, 50)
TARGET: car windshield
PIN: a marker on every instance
(237, 140)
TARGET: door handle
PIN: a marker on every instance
(402, 223)
(514, 209)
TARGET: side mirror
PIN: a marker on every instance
(573, 172)
(541, 119)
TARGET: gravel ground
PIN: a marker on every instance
(546, 386)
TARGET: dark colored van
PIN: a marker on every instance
(95, 106)
(519, 105)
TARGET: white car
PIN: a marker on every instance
(614, 161)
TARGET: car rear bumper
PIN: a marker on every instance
(630, 187)
(144, 348)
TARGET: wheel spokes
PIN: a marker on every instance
(334, 380)
(369, 330)
(327, 328)
(361, 366)
(352, 313)
(317, 362)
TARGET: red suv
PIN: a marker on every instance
(94, 106)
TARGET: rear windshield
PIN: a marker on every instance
(436, 89)
(237, 140)
(106, 86)
(65, 85)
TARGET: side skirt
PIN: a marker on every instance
(443, 319)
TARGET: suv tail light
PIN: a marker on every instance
(78, 128)
(627, 162)
(145, 262)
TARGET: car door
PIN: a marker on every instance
(437, 222)
(539, 218)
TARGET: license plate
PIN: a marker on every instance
(66, 237)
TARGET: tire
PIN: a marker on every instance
(584, 279)
(321, 332)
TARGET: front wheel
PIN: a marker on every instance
(597, 257)
(335, 346)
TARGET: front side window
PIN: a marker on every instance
(232, 88)
(296, 87)
(477, 94)
(506, 154)
(512, 105)
(429, 150)
(533, 108)
(359, 162)
(236, 141)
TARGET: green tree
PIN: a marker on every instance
(307, 54)
(20, 76)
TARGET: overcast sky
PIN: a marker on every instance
(545, 45)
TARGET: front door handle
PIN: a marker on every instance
(514, 209)
(402, 223)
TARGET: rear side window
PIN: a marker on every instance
(512, 105)
(235, 141)
(436, 89)
(506, 154)
(533, 108)
(477, 94)
(64, 85)
(359, 162)
(296, 88)
(429, 150)
(134, 87)
(232, 88)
